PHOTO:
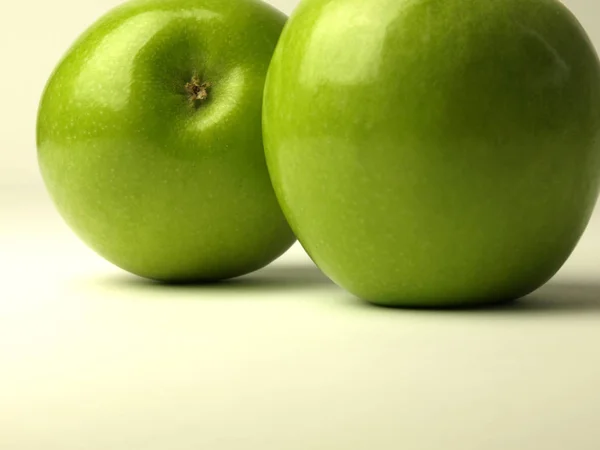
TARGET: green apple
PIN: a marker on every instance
(435, 153)
(150, 141)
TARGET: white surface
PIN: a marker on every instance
(93, 359)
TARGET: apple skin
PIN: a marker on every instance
(435, 153)
(161, 185)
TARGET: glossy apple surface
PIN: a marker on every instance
(150, 143)
(435, 153)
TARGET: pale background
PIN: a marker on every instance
(91, 358)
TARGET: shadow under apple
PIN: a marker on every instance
(276, 277)
(557, 296)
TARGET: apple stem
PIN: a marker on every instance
(197, 90)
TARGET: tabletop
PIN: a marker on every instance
(93, 358)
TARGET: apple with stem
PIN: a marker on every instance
(150, 141)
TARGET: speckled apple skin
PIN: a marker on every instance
(435, 153)
(162, 186)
